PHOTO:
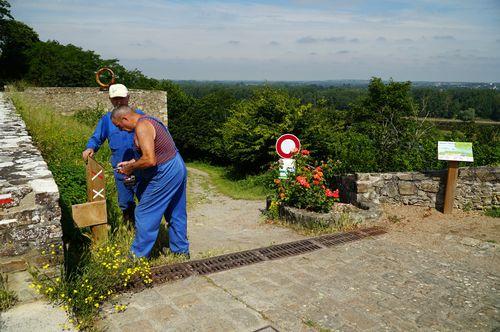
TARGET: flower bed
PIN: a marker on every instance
(308, 188)
(309, 197)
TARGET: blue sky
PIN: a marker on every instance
(434, 40)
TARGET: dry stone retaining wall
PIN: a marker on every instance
(30, 216)
(67, 100)
(477, 188)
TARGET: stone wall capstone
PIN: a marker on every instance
(67, 100)
(477, 188)
(30, 216)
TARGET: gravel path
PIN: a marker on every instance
(218, 224)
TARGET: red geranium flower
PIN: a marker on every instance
(305, 152)
(302, 181)
(336, 194)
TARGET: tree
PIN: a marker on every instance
(16, 39)
(467, 115)
(251, 130)
(210, 112)
(180, 106)
(53, 64)
(386, 116)
(5, 10)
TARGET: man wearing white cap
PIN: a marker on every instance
(121, 144)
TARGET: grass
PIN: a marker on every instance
(345, 224)
(493, 212)
(250, 188)
(90, 273)
(7, 297)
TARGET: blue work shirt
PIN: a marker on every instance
(120, 142)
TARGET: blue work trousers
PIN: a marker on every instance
(162, 193)
(125, 194)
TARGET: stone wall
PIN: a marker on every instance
(68, 100)
(30, 216)
(477, 188)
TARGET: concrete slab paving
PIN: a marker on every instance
(34, 316)
(382, 283)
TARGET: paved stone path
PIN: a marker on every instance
(35, 316)
(394, 282)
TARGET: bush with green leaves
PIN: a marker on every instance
(90, 116)
(251, 131)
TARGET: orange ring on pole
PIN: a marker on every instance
(104, 86)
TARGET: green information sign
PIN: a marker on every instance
(455, 151)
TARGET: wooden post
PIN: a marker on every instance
(96, 191)
(93, 214)
(451, 183)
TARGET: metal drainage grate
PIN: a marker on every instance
(225, 262)
(172, 272)
(161, 274)
(288, 249)
(334, 239)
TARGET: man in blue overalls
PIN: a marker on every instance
(162, 182)
(121, 144)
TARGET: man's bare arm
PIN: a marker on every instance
(145, 133)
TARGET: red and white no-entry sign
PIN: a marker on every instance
(286, 145)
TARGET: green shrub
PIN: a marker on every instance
(251, 130)
(90, 116)
(493, 212)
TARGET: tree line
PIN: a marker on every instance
(450, 103)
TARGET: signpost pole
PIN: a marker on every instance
(451, 183)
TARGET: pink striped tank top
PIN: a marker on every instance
(164, 144)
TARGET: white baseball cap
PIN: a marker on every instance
(118, 90)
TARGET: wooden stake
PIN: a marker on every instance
(96, 191)
(451, 183)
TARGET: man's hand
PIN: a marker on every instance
(125, 167)
(87, 153)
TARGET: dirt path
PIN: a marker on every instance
(218, 224)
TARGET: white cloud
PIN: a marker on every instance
(173, 32)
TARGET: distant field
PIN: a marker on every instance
(443, 120)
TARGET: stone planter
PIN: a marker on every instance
(341, 215)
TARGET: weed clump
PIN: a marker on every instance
(102, 271)
(7, 297)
